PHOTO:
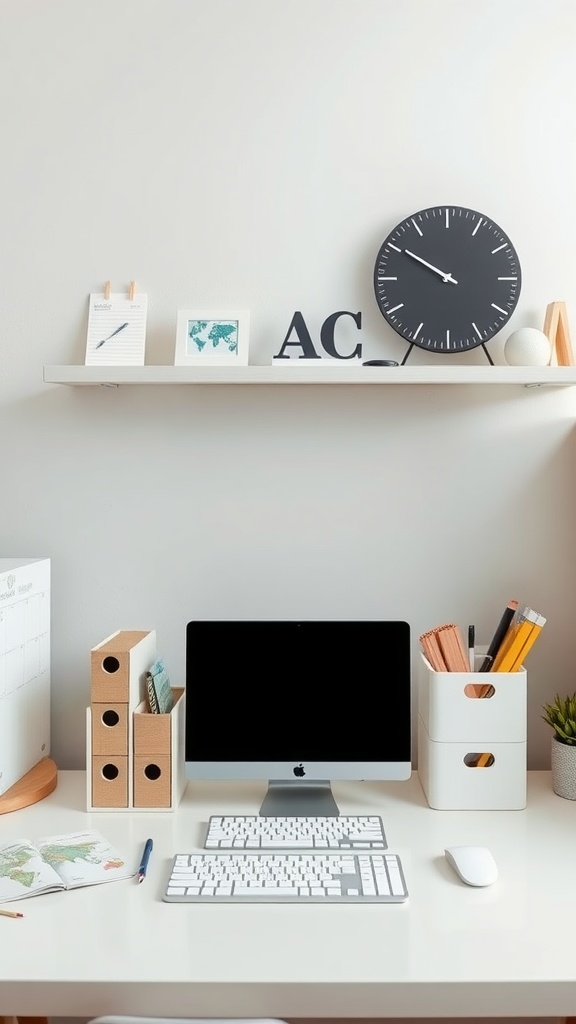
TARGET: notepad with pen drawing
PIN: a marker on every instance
(59, 862)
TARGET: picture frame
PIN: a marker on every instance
(212, 337)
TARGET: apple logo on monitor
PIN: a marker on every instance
(299, 771)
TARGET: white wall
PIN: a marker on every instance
(243, 153)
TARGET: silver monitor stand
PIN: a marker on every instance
(306, 798)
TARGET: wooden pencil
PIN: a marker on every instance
(431, 650)
(452, 647)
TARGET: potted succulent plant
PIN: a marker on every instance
(561, 715)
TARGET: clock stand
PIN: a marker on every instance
(482, 346)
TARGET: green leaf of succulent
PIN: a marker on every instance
(561, 715)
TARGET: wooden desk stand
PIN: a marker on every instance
(32, 787)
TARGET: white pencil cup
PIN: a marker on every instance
(472, 747)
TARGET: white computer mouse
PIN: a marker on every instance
(475, 865)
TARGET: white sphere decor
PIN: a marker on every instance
(527, 347)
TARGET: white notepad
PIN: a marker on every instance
(116, 330)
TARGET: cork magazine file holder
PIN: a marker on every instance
(134, 759)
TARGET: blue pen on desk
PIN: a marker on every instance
(145, 859)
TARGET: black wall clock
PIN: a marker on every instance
(447, 279)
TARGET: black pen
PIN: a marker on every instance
(114, 333)
(501, 630)
(471, 644)
(145, 859)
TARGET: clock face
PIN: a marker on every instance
(447, 279)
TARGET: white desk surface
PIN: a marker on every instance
(450, 951)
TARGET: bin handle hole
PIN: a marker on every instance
(479, 760)
(476, 690)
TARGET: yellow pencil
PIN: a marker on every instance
(11, 913)
(534, 634)
(521, 643)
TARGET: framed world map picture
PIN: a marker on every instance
(212, 337)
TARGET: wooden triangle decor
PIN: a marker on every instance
(557, 331)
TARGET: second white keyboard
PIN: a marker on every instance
(257, 832)
(286, 878)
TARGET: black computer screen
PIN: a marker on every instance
(298, 691)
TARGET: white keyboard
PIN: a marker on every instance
(257, 832)
(286, 878)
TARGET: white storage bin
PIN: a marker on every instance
(472, 749)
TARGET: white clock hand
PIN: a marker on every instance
(445, 277)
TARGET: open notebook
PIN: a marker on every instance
(58, 862)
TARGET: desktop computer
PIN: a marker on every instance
(298, 704)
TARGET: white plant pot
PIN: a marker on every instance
(563, 764)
